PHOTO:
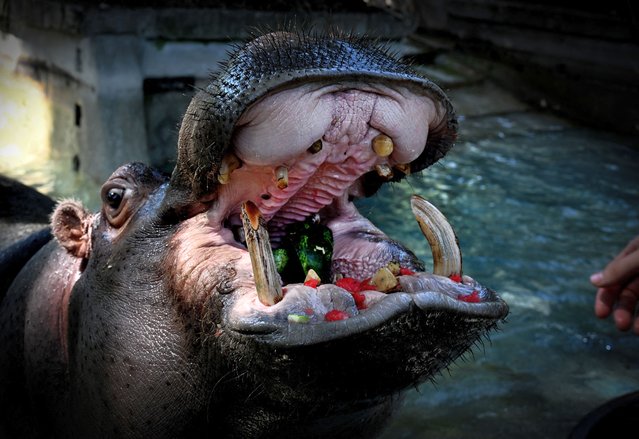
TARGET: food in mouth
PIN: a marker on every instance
(309, 247)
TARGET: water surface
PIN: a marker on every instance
(535, 216)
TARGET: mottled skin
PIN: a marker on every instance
(141, 320)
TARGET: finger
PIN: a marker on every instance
(619, 271)
(634, 288)
(631, 247)
(625, 308)
(598, 279)
(624, 311)
(605, 300)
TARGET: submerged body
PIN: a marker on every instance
(164, 313)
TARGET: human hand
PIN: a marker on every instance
(618, 288)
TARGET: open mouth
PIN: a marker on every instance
(320, 269)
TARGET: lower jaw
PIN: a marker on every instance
(274, 326)
(302, 310)
(402, 352)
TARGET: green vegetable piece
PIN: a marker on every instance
(281, 259)
(313, 244)
(298, 318)
(308, 245)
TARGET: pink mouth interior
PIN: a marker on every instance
(276, 133)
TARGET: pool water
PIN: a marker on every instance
(535, 215)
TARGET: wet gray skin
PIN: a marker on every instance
(143, 320)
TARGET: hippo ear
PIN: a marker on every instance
(71, 226)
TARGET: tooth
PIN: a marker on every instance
(384, 280)
(267, 281)
(315, 147)
(403, 168)
(230, 163)
(383, 145)
(447, 258)
(281, 176)
(384, 171)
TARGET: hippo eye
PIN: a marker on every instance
(114, 197)
(114, 203)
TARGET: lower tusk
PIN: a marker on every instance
(447, 258)
(267, 280)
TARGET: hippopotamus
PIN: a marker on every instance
(167, 314)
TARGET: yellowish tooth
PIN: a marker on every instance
(403, 167)
(230, 163)
(315, 147)
(384, 280)
(383, 145)
(281, 176)
(384, 171)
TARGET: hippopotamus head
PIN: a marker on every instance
(244, 294)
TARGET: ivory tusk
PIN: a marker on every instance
(447, 257)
